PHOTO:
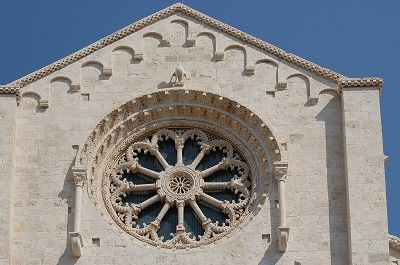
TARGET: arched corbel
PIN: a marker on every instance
(79, 178)
(280, 173)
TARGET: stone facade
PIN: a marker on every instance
(311, 139)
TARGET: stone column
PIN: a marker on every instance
(79, 177)
(8, 115)
(280, 173)
(364, 174)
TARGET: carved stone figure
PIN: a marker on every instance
(178, 76)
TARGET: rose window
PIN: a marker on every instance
(179, 188)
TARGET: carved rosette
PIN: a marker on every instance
(177, 186)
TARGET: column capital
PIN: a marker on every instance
(79, 175)
(280, 170)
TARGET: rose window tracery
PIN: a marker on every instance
(179, 188)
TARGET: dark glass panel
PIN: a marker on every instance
(212, 213)
(192, 224)
(168, 150)
(168, 224)
(149, 161)
(221, 176)
(137, 178)
(138, 197)
(224, 195)
(190, 151)
(149, 214)
(211, 159)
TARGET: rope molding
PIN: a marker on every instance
(342, 81)
(394, 242)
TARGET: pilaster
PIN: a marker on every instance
(8, 111)
(365, 176)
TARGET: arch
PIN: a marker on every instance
(267, 61)
(31, 94)
(63, 79)
(91, 70)
(296, 91)
(235, 46)
(266, 73)
(330, 91)
(176, 108)
(207, 36)
(40, 103)
(301, 76)
(92, 63)
(179, 37)
(154, 35)
(232, 58)
(125, 49)
(156, 99)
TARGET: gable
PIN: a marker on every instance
(197, 17)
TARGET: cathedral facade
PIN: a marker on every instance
(182, 140)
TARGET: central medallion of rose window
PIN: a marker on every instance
(179, 188)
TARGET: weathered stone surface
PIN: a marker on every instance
(329, 135)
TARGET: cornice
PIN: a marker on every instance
(181, 8)
(361, 82)
(394, 242)
(9, 89)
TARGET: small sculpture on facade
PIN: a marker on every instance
(178, 75)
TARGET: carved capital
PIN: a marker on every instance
(280, 170)
(79, 176)
(179, 143)
(205, 148)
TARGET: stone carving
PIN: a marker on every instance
(280, 172)
(361, 82)
(204, 19)
(178, 76)
(79, 177)
(179, 186)
(394, 242)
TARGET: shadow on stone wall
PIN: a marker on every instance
(272, 255)
(67, 193)
(331, 115)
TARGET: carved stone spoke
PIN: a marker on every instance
(215, 186)
(161, 159)
(143, 187)
(143, 205)
(204, 220)
(212, 201)
(162, 213)
(148, 172)
(220, 166)
(178, 186)
(205, 149)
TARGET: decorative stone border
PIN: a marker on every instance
(394, 242)
(186, 109)
(181, 8)
(361, 82)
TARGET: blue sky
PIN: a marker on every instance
(356, 38)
